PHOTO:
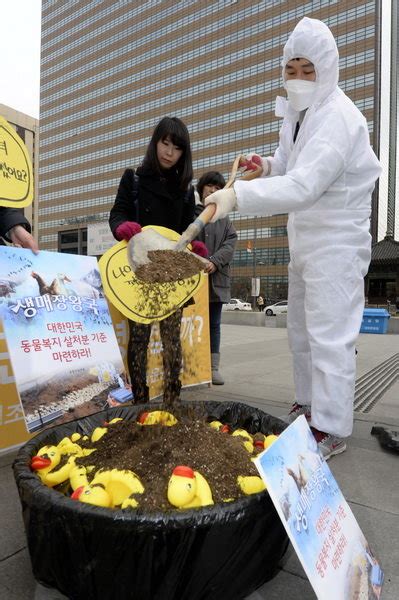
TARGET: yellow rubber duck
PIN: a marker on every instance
(98, 433)
(259, 441)
(248, 440)
(108, 488)
(157, 417)
(67, 446)
(219, 426)
(269, 440)
(90, 494)
(250, 484)
(115, 420)
(188, 488)
(45, 463)
(78, 476)
(262, 442)
(120, 484)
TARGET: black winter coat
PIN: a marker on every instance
(9, 217)
(160, 201)
(220, 239)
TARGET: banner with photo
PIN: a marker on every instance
(334, 553)
(60, 336)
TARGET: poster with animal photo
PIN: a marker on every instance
(60, 337)
(333, 551)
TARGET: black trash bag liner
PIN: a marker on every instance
(388, 438)
(223, 552)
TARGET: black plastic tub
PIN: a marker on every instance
(223, 552)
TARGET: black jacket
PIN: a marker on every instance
(9, 217)
(220, 239)
(160, 201)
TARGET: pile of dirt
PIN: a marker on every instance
(168, 265)
(153, 451)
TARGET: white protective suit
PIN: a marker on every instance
(324, 181)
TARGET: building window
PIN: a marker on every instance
(73, 241)
(21, 132)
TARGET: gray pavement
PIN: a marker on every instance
(256, 364)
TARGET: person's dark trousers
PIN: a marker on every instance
(172, 356)
(139, 337)
(215, 319)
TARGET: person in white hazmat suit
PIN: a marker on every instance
(323, 174)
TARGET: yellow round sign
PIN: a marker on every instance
(137, 300)
(16, 178)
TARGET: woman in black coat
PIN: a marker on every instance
(157, 193)
(220, 239)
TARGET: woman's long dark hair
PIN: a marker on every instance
(176, 130)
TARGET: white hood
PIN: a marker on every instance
(313, 40)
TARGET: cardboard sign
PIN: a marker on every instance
(16, 178)
(320, 524)
(143, 303)
(12, 423)
(59, 333)
(194, 336)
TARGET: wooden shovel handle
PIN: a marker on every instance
(207, 213)
(233, 173)
(203, 219)
(210, 209)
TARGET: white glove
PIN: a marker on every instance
(225, 200)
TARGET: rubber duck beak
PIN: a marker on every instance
(259, 444)
(77, 492)
(39, 462)
(143, 417)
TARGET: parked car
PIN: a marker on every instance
(236, 304)
(277, 308)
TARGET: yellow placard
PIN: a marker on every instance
(12, 423)
(16, 176)
(139, 301)
(195, 343)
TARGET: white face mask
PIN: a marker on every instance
(300, 93)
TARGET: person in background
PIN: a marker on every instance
(165, 198)
(220, 239)
(15, 229)
(260, 303)
(323, 174)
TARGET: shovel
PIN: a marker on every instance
(149, 239)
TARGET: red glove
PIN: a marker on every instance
(200, 249)
(127, 230)
(251, 162)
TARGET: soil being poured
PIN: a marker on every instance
(168, 265)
